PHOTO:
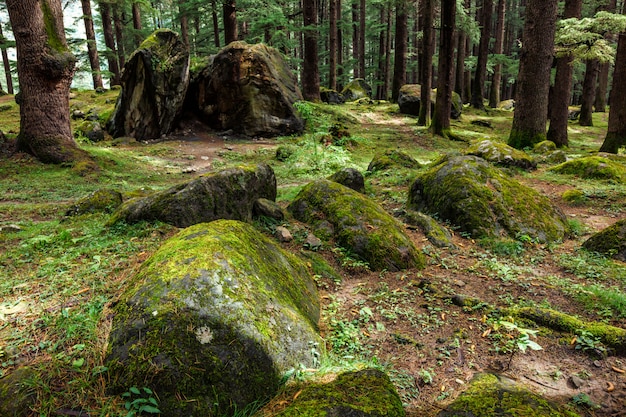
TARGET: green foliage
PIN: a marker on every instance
(589, 343)
(140, 400)
(585, 39)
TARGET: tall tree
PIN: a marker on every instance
(136, 10)
(427, 12)
(355, 39)
(45, 69)
(332, 45)
(119, 34)
(216, 26)
(230, 21)
(5, 61)
(109, 41)
(92, 50)
(616, 133)
(443, 105)
(603, 72)
(498, 48)
(589, 93)
(184, 21)
(310, 71)
(478, 86)
(561, 93)
(362, 39)
(533, 80)
(401, 43)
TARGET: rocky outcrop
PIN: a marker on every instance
(213, 320)
(357, 224)
(356, 89)
(484, 202)
(501, 154)
(435, 233)
(228, 194)
(154, 83)
(16, 393)
(610, 241)
(248, 89)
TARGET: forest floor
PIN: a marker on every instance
(54, 297)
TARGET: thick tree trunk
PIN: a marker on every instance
(603, 87)
(362, 39)
(137, 23)
(332, 45)
(7, 65)
(340, 72)
(92, 51)
(616, 133)
(355, 38)
(589, 93)
(216, 25)
(533, 80)
(427, 62)
(387, 55)
(478, 87)
(459, 83)
(184, 22)
(381, 54)
(441, 118)
(496, 80)
(119, 35)
(311, 79)
(561, 93)
(45, 68)
(401, 41)
(230, 22)
(109, 41)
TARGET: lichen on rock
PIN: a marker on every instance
(212, 321)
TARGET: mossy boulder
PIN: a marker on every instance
(356, 89)
(499, 153)
(249, 89)
(154, 83)
(409, 99)
(392, 159)
(330, 96)
(213, 320)
(90, 129)
(593, 167)
(364, 393)
(610, 241)
(358, 224)
(16, 395)
(544, 147)
(268, 209)
(507, 105)
(104, 201)
(436, 234)
(483, 201)
(228, 194)
(351, 178)
(490, 395)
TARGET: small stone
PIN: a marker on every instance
(576, 381)
(597, 364)
(459, 283)
(283, 234)
(10, 228)
(312, 242)
(189, 170)
(78, 114)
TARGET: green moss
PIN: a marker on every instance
(54, 40)
(393, 158)
(610, 241)
(593, 167)
(16, 397)
(500, 154)
(545, 146)
(519, 139)
(99, 201)
(574, 196)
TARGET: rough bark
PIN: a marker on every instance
(92, 51)
(340, 77)
(533, 81)
(459, 83)
(478, 87)
(230, 22)
(362, 39)
(427, 61)
(616, 133)
(216, 25)
(387, 55)
(603, 74)
(311, 79)
(401, 43)
(109, 41)
(441, 118)
(355, 39)
(496, 80)
(119, 35)
(137, 23)
(332, 46)
(589, 93)
(184, 22)
(7, 65)
(45, 68)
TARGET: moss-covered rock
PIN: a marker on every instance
(356, 89)
(507, 105)
(91, 130)
(351, 178)
(213, 320)
(284, 152)
(392, 158)
(544, 147)
(409, 99)
(359, 224)
(499, 153)
(331, 96)
(16, 395)
(485, 202)
(574, 196)
(154, 82)
(365, 393)
(593, 167)
(249, 89)
(490, 395)
(435, 233)
(103, 200)
(228, 194)
(610, 241)
(267, 208)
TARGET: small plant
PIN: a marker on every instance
(427, 376)
(511, 338)
(583, 400)
(140, 400)
(589, 343)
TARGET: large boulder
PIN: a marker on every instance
(409, 99)
(351, 178)
(248, 89)
(499, 153)
(330, 96)
(356, 89)
(213, 320)
(485, 202)
(610, 241)
(357, 224)
(154, 83)
(228, 194)
(103, 200)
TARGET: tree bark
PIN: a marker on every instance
(478, 87)
(616, 133)
(216, 25)
(230, 21)
(401, 41)
(45, 68)
(332, 46)
(605, 68)
(496, 80)
(7, 65)
(589, 93)
(184, 22)
(119, 35)
(460, 65)
(381, 54)
(137, 23)
(441, 118)
(355, 39)
(339, 47)
(561, 93)
(109, 41)
(92, 51)
(362, 39)
(427, 62)
(533, 80)
(311, 79)
(387, 69)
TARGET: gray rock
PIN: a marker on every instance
(435, 233)
(576, 382)
(104, 200)
(267, 208)
(312, 242)
(499, 153)
(16, 393)
(351, 178)
(356, 89)
(283, 234)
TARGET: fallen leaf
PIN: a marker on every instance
(610, 387)
(297, 394)
(618, 370)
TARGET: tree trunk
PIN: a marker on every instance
(401, 41)
(45, 68)
(381, 54)
(387, 55)
(92, 51)
(332, 46)
(230, 21)
(311, 79)
(7, 65)
(119, 35)
(478, 87)
(355, 39)
(561, 93)
(184, 22)
(589, 93)
(605, 67)
(459, 84)
(216, 25)
(109, 41)
(339, 47)
(427, 62)
(496, 80)
(362, 39)
(616, 133)
(137, 23)
(533, 80)
(441, 118)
